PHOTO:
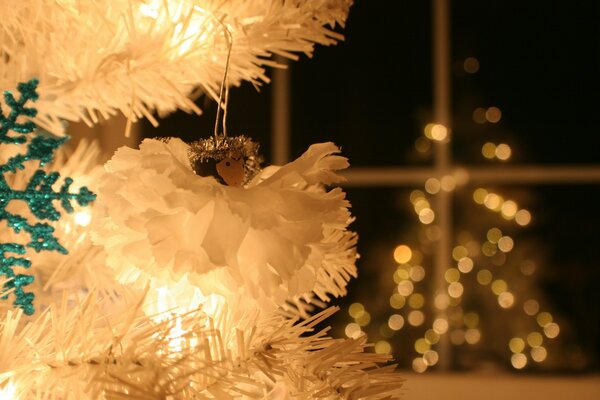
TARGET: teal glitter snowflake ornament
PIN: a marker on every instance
(38, 193)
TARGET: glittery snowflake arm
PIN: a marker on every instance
(38, 193)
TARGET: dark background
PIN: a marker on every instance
(372, 95)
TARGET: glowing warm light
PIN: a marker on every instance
(416, 301)
(484, 277)
(426, 216)
(538, 354)
(488, 150)
(493, 201)
(82, 218)
(523, 217)
(471, 319)
(452, 275)
(499, 286)
(528, 268)
(535, 339)
(401, 274)
(506, 299)
(356, 310)
(503, 152)
(431, 357)
(465, 265)
(427, 130)
(551, 330)
(417, 273)
(432, 186)
(544, 318)
(416, 318)
(493, 114)
(518, 360)
(472, 336)
(396, 322)
(509, 209)
(459, 252)
(416, 195)
(353, 330)
(489, 249)
(421, 204)
(440, 326)
(457, 337)
(479, 115)
(364, 319)
(516, 345)
(494, 235)
(505, 244)
(471, 65)
(441, 301)
(402, 254)
(461, 176)
(531, 307)
(405, 288)
(479, 195)
(383, 347)
(448, 183)
(455, 289)
(432, 336)
(397, 301)
(419, 365)
(439, 132)
(422, 345)
(9, 392)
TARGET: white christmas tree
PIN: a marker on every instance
(167, 283)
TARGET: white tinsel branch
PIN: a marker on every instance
(96, 57)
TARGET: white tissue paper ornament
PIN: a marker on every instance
(281, 238)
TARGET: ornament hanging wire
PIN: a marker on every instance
(223, 99)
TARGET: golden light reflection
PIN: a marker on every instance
(416, 318)
(448, 183)
(506, 299)
(427, 130)
(426, 216)
(401, 274)
(493, 201)
(383, 347)
(356, 310)
(531, 307)
(416, 301)
(457, 337)
(353, 330)
(472, 336)
(516, 345)
(431, 357)
(518, 360)
(364, 319)
(528, 268)
(440, 326)
(405, 288)
(397, 301)
(493, 115)
(402, 254)
(479, 195)
(539, 354)
(421, 346)
(505, 244)
(471, 319)
(551, 330)
(535, 339)
(523, 217)
(439, 132)
(441, 301)
(489, 249)
(543, 319)
(459, 252)
(484, 277)
(499, 286)
(418, 365)
(494, 235)
(396, 322)
(488, 150)
(452, 275)
(432, 336)
(417, 273)
(455, 289)
(416, 195)
(465, 265)
(432, 185)
(503, 152)
(509, 209)
(82, 218)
